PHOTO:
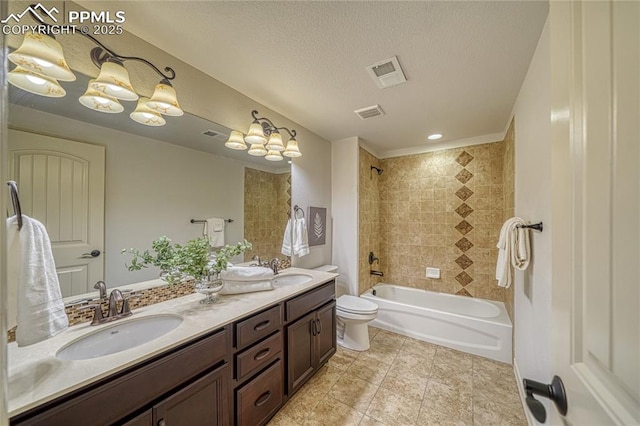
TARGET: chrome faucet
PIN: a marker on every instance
(257, 259)
(275, 265)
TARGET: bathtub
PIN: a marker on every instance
(476, 326)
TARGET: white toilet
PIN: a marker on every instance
(353, 313)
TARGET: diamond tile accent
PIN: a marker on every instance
(463, 278)
(464, 175)
(464, 292)
(464, 261)
(464, 210)
(464, 158)
(464, 244)
(464, 193)
(464, 227)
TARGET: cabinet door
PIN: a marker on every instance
(326, 338)
(144, 419)
(302, 358)
(202, 403)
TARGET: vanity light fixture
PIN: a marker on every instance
(434, 136)
(40, 64)
(265, 140)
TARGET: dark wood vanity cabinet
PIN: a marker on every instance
(235, 375)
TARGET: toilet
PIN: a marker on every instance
(353, 313)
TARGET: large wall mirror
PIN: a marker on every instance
(102, 183)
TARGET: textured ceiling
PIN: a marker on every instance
(464, 61)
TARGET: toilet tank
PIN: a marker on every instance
(342, 287)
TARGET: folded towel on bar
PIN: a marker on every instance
(36, 301)
(239, 287)
(513, 251)
(300, 237)
(214, 230)
(286, 239)
(246, 273)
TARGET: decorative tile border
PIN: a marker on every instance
(464, 227)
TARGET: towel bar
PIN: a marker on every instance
(536, 226)
(204, 221)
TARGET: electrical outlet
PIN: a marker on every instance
(433, 273)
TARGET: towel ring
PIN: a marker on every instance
(297, 209)
(15, 200)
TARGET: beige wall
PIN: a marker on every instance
(369, 228)
(267, 203)
(508, 196)
(443, 209)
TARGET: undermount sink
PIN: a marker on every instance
(291, 279)
(119, 337)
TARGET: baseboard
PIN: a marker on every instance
(527, 414)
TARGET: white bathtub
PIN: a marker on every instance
(477, 326)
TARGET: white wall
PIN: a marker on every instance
(344, 199)
(533, 203)
(152, 188)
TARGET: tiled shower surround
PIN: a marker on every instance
(369, 219)
(441, 209)
(267, 202)
(508, 190)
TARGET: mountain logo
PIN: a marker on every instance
(39, 11)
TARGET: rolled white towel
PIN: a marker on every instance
(513, 251)
(246, 273)
(286, 239)
(300, 237)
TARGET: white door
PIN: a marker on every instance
(61, 184)
(595, 61)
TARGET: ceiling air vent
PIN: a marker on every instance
(214, 134)
(369, 112)
(386, 73)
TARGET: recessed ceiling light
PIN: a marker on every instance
(434, 136)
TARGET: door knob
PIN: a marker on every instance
(93, 253)
(554, 391)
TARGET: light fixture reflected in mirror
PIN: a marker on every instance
(37, 84)
(236, 141)
(145, 115)
(99, 101)
(260, 129)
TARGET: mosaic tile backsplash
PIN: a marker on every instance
(441, 209)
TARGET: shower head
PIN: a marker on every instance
(377, 170)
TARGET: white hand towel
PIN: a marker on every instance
(513, 251)
(246, 273)
(300, 237)
(215, 231)
(40, 310)
(286, 239)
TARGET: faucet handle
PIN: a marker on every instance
(98, 318)
(126, 308)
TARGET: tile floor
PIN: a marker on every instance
(402, 381)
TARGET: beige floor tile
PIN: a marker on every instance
(454, 375)
(496, 382)
(353, 391)
(381, 351)
(430, 416)
(330, 411)
(448, 399)
(418, 347)
(282, 420)
(393, 409)
(343, 358)
(300, 405)
(324, 379)
(369, 421)
(406, 384)
(372, 332)
(413, 363)
(369, 369)
(389, 338)
(487, 412)
(454, 357)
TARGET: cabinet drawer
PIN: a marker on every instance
(307, 302)
(259, 399)
(256, 357)
(258, 326)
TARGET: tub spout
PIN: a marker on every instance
(377, 273)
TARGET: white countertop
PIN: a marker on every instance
(37, 376)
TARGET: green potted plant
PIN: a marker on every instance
(192, 260)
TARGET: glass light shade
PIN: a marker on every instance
(255, 135)
(273, 156)
(236, 141)
(257, 150)
(35, 83)
(165, 101)
(113, 80)
(292, 149)
(98, 101)
(43, 55)
(144, 115)
(275, 142)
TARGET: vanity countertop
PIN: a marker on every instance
(37, 376)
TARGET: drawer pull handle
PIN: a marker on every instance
(319, 326)
(262, 354)
(314, 328)
(263, 399)
(262, 325)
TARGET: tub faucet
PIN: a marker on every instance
(377, 273)
(373, 258)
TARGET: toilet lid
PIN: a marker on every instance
(356, 304)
